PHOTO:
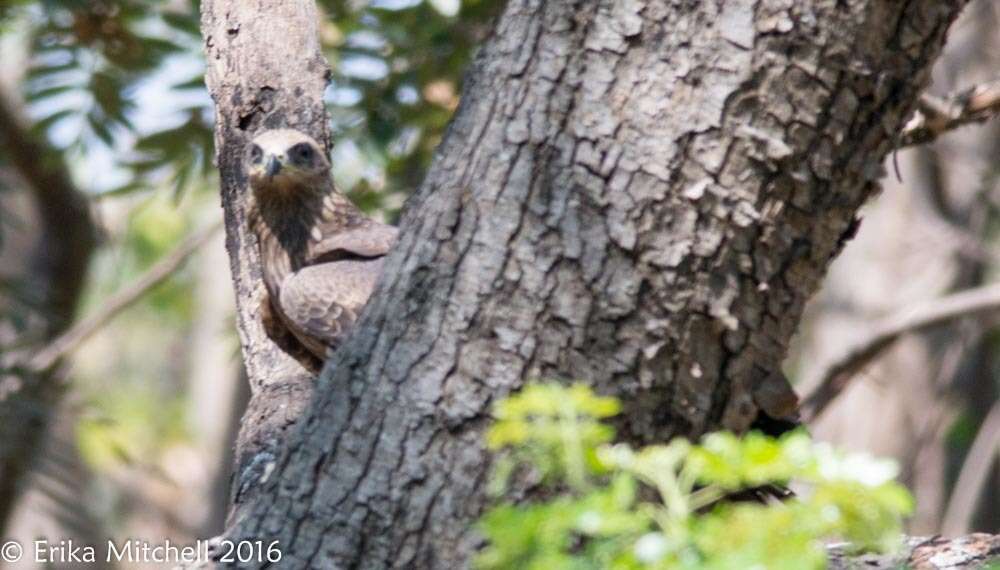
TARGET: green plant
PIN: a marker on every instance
(609, 506)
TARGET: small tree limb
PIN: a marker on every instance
(836, 377)
(84, 329)
(936, 116)
(974, 476)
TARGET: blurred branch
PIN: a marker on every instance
(963, 241)
(886, 331)
(58, 269)
(158, 273)
(936, 116)
(70, 236)
(975, 474)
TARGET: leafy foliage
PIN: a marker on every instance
(396, 68)
(616, 507)
(396, 75)
(88, 62)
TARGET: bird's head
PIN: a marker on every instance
(285, 162)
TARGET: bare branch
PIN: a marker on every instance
(974, 475)
(936, 116)
(158, 273)
(836, 377)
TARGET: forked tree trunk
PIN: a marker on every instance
(638, 194)
(264, 70)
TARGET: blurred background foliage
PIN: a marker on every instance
(115, 88)
(123, 81)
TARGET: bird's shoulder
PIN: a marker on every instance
(358, 237)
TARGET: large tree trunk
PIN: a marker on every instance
(638, 194)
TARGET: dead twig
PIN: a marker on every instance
(936, 116)
(836, 377)
(83, 329)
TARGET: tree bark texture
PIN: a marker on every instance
(264, 70)
(639, 194)
(926, 553)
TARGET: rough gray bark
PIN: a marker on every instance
(265, 69)
(56, 275)
(927, 553)
(635, 193)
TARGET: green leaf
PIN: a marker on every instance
(755, 536)
(40, 71)
(38, 94)
(197, 82)
(185, 22)
(43, 125)
(604, 517)
(101, 130)
(123, 189)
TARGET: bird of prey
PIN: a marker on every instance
(320, 255)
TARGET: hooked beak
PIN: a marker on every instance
(273, 166)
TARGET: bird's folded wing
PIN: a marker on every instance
(370, 240)
(321, 302)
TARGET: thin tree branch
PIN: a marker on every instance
(936, 116)
(974, 475)
(836, 377)
(82, 330)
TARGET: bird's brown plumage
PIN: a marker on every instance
(320, 254)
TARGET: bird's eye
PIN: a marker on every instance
(301, 153)
(256, 154)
